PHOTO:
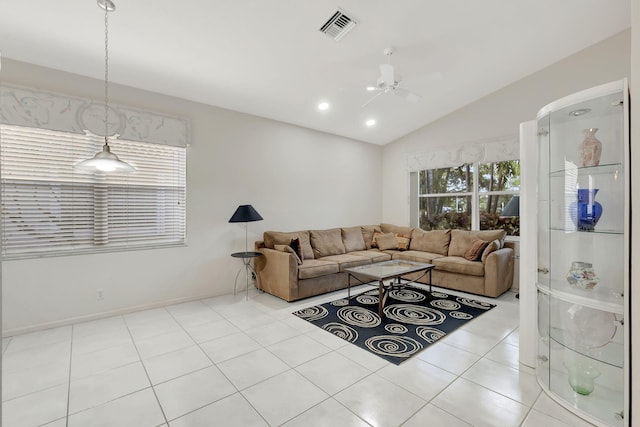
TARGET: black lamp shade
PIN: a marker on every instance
(245, 213)
(512, 208)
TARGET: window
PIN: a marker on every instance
(482, 196)
(49, 208)
(445, 198)
(498, 196)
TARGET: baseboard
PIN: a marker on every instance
(87, 318)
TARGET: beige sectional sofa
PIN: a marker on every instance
(325, 254)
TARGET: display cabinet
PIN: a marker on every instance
(583, 253)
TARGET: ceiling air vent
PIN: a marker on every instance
(338, 25)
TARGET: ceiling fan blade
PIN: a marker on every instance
(371, 99)
(409, 96)
(386, 72)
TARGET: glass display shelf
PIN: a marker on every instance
(611, 354)
(601, 407)
(608, 169)
(600, 297)
(575, 230)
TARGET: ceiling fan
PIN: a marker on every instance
(388, 84)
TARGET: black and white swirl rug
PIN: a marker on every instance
(414, 319)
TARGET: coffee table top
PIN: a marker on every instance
(388, 269)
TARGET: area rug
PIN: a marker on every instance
(414, 319)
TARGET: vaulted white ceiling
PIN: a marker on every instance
(267, 57)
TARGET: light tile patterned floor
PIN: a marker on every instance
(229, 362)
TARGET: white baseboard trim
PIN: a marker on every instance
(96, 316)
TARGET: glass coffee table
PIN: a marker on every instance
(386, 270)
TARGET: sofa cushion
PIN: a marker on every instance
(272, 238)
(398, 229)
(417, 256)
(326, 242)
(373, 254)
(459, 265)
(367, 234)
(491, 247)
(353, 240)
(287, 248)
(461, 239)
(316, 268)
(474, 253)
(347, 260)
(387, 241)
(435, 241)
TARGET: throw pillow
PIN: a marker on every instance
(474, 253)
(297, 249)
(493, 246)
(387, 241)
(288, 249)
(367, 234)
(403, 241)
(374, 239)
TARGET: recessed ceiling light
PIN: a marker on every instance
(580, 112)
(371, 88)
(323, 106)
(370, 122)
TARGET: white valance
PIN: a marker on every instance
(33, 108)
(484, 151)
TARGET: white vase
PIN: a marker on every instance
(590, 148)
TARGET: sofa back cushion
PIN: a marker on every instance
(326, 242)
(367, 234)
(272, 238)
(434, 241)
(461, 240)
(397, 229)
(353, 240)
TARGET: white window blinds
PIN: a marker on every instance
(50, 208)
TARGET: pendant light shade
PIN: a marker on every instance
(105, 160)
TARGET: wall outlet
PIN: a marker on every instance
(99, 295)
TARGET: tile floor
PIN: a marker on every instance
(229, 362)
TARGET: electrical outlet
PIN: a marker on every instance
(99, 295)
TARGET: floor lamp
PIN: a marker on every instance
(246, 214)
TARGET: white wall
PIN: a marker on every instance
(296, 178)
(500, 114)
(635, 207)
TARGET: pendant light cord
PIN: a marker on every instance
(106, 75)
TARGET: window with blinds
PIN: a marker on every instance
(50, 208)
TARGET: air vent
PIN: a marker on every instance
(338, 25)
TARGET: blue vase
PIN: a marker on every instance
(586, 213)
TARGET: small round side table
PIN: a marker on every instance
(246, 260)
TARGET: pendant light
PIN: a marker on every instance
(105, 160)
